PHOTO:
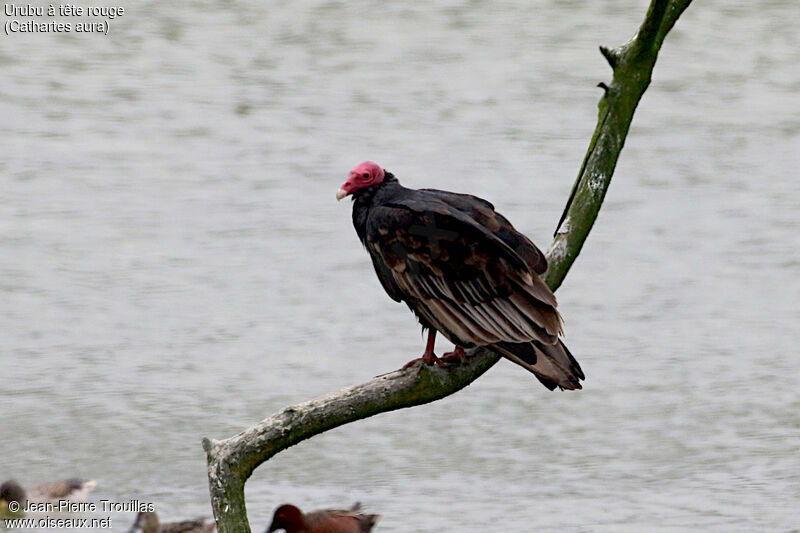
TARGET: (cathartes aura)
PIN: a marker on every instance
(463, 270)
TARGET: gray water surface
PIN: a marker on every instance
(173, 263)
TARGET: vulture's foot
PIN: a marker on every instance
(456, 357)
(428, 358)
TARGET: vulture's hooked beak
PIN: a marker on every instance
(341, 193)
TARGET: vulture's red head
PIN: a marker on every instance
(362, 176)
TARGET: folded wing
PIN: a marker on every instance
(463, 268)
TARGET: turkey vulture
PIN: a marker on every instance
(463, 270)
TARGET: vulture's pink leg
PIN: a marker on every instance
(428, 357)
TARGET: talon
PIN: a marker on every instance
(411, 363)
(456, 357)
(428, 357)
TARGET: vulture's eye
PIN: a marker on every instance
(365, 175)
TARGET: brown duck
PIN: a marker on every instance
(292, 520)
(148, 522)
(74, 489)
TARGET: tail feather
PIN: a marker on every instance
(371, 520)
(366, 521)
(552, 364)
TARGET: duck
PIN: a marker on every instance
(290, 519)
(148, 522)
(74, 489)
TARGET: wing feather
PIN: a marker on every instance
(467, 283)
(456, 324)
(502, 327)
(484, 214)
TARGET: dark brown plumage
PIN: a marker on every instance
(463, 270)
(289, 518)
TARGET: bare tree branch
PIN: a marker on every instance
(231, 461)
(632, 64)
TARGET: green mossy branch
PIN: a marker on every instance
(632, 65)
(231, 461)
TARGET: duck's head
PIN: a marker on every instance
(11, 491)
(146, 522)
(287, 517)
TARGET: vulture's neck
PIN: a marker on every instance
(366, 198)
